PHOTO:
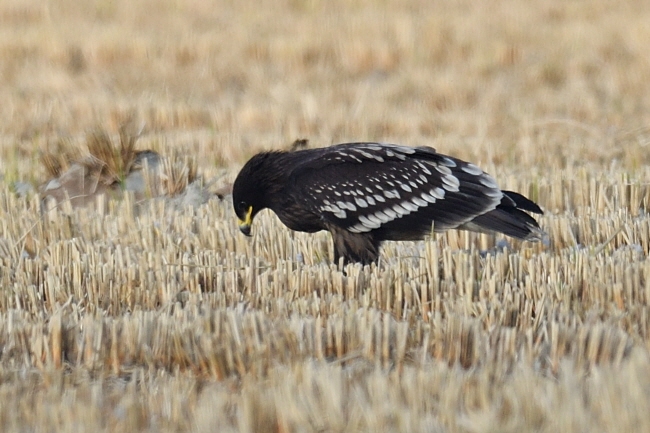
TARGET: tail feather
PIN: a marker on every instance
(510, 219)
(522, 202)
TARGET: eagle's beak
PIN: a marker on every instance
(245, 225)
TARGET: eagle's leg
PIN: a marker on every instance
(354, 247)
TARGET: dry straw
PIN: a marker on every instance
(121, 294)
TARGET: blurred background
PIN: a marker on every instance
(500, 82)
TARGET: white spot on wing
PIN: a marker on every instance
(495, 193)
(368, 155)
(445, 171)
(338, 212)
(379, 198)
(359, 228)
(374, 219)
(404, 149)
(392, 194)
(448, 162)
(400, 210)
(346, 205)
(470, 168)
(428, 197)
(405, 187)
(419, 202)
(361, 202)
(349, 155)
(423, 168)
(488, 181)
(437, 193)
(409, 206)
(382, 217)
(390, 214)
(450, 183)
(368, 223)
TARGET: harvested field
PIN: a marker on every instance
(153, 313)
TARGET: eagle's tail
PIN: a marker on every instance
(510, 219)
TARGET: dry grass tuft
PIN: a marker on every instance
(58, 158)
(111, 168)
(178, 172)
(112, 162)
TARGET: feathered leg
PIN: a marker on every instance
(354, 247)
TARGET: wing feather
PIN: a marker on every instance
(404, 189)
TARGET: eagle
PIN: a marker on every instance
(367, 193)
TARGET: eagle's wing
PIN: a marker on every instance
(394, 191)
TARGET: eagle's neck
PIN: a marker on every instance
(274, 175)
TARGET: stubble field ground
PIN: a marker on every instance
(159, 318)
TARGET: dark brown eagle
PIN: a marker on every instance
(367, 193)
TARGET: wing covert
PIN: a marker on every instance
(365, 187)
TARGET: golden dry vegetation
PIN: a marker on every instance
(163, 318)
